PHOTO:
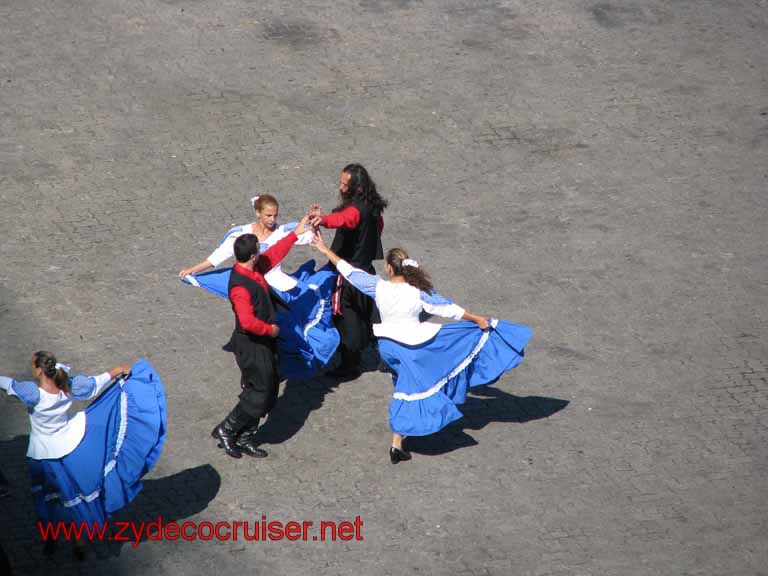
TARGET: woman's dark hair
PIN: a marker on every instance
(265, 200)
(246, 246)
(414, 275)
(362, 187)
(47, 362)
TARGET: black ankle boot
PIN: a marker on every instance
(226, 433)
(246, 442)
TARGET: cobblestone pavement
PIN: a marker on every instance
(596, 170)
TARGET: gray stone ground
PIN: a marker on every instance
(596, 170)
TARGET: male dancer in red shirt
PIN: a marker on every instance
(253, 342)
(358, 223)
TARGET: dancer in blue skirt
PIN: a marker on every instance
(87, 466)
(433, 365)
(308, 338)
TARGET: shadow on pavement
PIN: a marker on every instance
(485, 405)
(301, 397)
(173, 498)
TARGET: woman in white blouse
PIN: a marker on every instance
(433, 365)
(85, 466)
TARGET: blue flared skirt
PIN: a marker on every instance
(308, 338)
(124, 435)
(432, 378)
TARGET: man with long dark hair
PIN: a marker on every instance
(358, 223)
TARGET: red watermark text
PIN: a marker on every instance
(255, 530)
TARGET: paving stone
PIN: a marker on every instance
(595, 170)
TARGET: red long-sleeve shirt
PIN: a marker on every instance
(241, 298)
(347, 218)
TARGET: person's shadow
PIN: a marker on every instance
(173, 498)
(484, 404)
(301, 397)
(298, 400)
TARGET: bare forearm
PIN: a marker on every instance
(469, 316)
(481, 321)
(332, 256)
(201, 267)
(117, 370)
(197, 268)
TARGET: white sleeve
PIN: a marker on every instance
(224, 252)
(26, 391)
(226, 249)
(439, 305)
(305, 238)
(87, 387)
(101, 382)
(361, 280)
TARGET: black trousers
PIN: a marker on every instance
(256, 358)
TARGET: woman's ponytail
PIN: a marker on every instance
(409, 269)
(53, 370)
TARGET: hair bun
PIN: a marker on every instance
(50, 366)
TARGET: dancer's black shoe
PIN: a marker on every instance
(246, 443)
(396, 455)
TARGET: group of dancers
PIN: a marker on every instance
(307, 323)
(290, 325)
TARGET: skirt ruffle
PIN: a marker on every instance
(432, 378)
(308, 338)
(124, 436)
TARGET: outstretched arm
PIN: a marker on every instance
(481, 321)
(196, 269)
(304, 239)
(361, 280)
(272, 257)
(347, 218)
(27, 392)
(223, 252)
(439, 305)
(87, 387)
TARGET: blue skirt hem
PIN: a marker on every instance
(431, 379)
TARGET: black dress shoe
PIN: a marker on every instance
(246, 443)
(253, 451)
(396, 455)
